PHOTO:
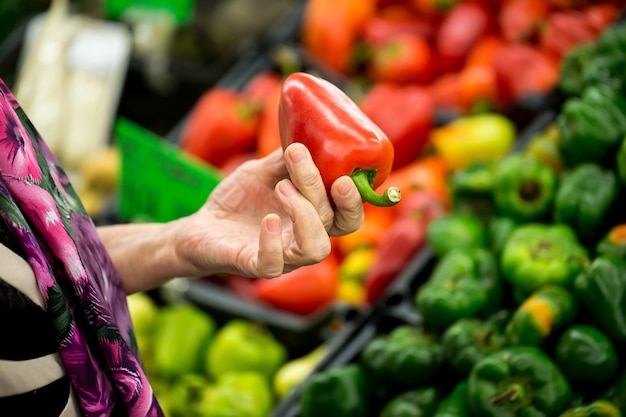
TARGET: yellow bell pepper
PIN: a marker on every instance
(476, 138)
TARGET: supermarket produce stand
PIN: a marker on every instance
(346, 329)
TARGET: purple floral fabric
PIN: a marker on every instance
(82, 290)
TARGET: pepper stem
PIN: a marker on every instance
(514, 395)
(390, 197)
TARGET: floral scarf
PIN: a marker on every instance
(81, 288)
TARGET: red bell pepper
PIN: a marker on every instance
(303, 291)
(523, 70)
(403, 59)
(268, 136)
(444, 91)
(221, 125)
(433, 7)
(461, 28)
(402, 241)
(395, 20)
(260, 86)
(564, 30)
(520, 20)
(342, 140)
(405, 114)
(601, 15)
(569, 3)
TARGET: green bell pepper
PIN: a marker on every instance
(621, 162)
(584, 199)
(471, 188)
(548, 308)
(614, 243)
(592, 126)
(599, 408)
(419, 402)
(616, 392)
(539, 254)
(572, 67)
(238, 394)
(455, 231)
(613, 39)
(517, 381)
(181, 339)
(601, 289)
(337, 392)
(405, 357)
(586, 355)
(465, 283)
(524, 188)
(186, 395)
(455, 404)
(606, 70)
(242, 345)
(499, 229)
(469, 340)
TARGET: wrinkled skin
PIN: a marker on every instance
(271, 215)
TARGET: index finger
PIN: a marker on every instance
(306, 177)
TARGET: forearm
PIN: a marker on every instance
(142, 253)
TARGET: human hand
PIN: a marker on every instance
(270, 216)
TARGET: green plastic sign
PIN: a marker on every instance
(158, 182)
(181, 10)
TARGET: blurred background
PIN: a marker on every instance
(490, 104)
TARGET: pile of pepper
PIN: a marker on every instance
(524, 311)
(467, 54)
(199, 368)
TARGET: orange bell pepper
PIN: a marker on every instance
(376, 221)
(429, 173)
(483, 53)
(478, 88)
(477, 80)
(330, 29)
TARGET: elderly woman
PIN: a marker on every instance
(66, 345)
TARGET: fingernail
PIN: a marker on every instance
(273, 224)
(286, 188)
(297, 153)
(345, 186)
